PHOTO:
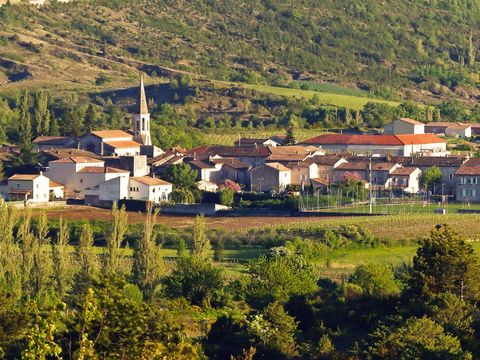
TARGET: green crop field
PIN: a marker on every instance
(326, 98)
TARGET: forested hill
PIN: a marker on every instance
(385, 47)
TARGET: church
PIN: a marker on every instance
(124, 143)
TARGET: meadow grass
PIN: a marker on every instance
(228, 137)
(325, 98)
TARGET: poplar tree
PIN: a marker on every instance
(147, 260)
(201, 244)
(10, 257)
(86, 259)
(41, 113)
(61, 258)
(42, 264)
(26, 240)
(115, 237)
(25, 130)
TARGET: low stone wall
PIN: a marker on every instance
(193, 209)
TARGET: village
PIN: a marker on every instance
(107, 166)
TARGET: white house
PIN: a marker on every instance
(459, 130)
(406, 179)
(109, 142)
(80, 173)
(303, 171)
(147, 188)
(270, 177)
(32, 188)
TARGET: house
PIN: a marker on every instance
(266, 142)
(380, 174)
(326, 165)
(286, 154)
(135, 164)
(406, 179)
(452, 129)
(459, 130)
(468, 182)
(404, 126)
(399, 145)
(80, 173)
(248, 155)
(148, 188)
(26, 187)
(57, 191)
(359, 169)
(448, 166)
(233, 169)
(270, 177)
(54, 142)
(206, 170)
(302, 172)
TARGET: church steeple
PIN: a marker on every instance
(142, 101)
(141, 120)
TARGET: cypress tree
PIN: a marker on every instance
(41, 113)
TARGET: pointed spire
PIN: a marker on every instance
(142, 101)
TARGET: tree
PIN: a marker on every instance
(376, 280)
(25, 130)
(91, 118)
(147, 268)
(115, 236)
(445, 262)
(61, 258)
(27, 246)
(431, 178)
(200, 244)
(2, 173)
(41, 113)
(227, 196)
(86, 258)
(416, 339)
(54, 128)
(181, 176)
(279, 278)
(290, 136)
(42, 261)
(275, 331)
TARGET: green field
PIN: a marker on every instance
(341, 100)
(227, 137)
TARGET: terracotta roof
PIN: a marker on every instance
(24, 177)
(78, 160)
(112, 134)
(439, 123)
(353, 166)
(229, 151)
(287, 157)
(150, 181)
(102, 170)
(348, 139)
(52, 140)
(475, 161)
(459, 126)
(122, 144)
(65, 153)
(404, 171)
(427, 161)
(231, 162)
(382, 166)
(277, 166)
(55, 184)
(411, 121)
(326, 160)
(299, 164)
(201, 164)
(468, 170)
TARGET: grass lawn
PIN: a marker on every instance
(228, 137)
(341, 100)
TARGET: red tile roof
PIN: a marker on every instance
(468, 170)
(122, 144)
(411, 121)
(24, 177)
(102, 170)
(404, 171)
(150, 181)
(77, 160)
(111, 134)
(367, 139)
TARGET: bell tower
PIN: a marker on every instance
(141, 120)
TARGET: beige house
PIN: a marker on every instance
(303, 172)
(109, 142)
(326, 166)
(270, 177)
(404, 126)
(467, 180)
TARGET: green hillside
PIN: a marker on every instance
(423, 50)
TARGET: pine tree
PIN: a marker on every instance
(115, 236)
(42, 114)
(201, 244)
(61, 258)
(147, 266)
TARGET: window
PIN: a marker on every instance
(464, 192)
(450, 176)
(474, 192)
(81, 181)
